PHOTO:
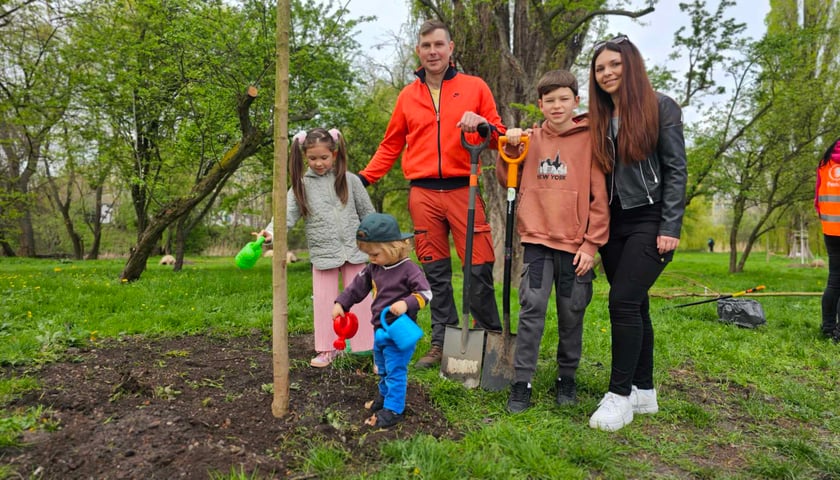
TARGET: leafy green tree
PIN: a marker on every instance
(762, 153)
(185, 89)
(34, 92)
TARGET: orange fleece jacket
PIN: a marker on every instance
(431, 140)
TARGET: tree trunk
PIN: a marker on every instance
(26, 248)
(95, 223)
(182, 232)
(737, 216)
(188, 223)
(63, 206)
(75, 238)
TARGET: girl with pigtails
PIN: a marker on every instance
(331, 201)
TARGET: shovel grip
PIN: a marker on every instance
(475, 149)
(513, 163)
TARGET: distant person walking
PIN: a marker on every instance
(711, 244)
(827, 203)
(331, 201)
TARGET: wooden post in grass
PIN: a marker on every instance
(280, 312)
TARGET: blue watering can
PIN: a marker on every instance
(403, 331)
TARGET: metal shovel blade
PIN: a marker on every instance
(462, 357)
(497, 373)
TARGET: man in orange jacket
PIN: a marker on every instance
(428, 117)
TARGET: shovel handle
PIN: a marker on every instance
(749, 290)
(513, 163)
(475, 149)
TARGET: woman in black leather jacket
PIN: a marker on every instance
(637, 136)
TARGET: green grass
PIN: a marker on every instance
(735, 403)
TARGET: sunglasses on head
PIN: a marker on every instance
(615, 40)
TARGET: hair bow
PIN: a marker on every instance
(299, 137)
(334, 133)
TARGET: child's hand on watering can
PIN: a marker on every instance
(398, 308)
(263, 233)
(338, 310)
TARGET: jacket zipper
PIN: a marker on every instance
(644, 183)
(437, 122)
(641, 175)
(652, 171)
(612, 177)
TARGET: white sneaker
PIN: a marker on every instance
(614, 411)
(643, 401)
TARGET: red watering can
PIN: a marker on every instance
(345, 327)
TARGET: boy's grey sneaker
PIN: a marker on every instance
(643, 401)
(566, 391)
(520, 397)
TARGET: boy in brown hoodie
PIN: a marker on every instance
(562, 218)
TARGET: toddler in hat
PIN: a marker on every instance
(397, 285)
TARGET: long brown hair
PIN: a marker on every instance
(298, 163)
(637, 104)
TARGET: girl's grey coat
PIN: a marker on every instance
(331, 226)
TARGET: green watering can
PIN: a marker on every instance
(250, 253)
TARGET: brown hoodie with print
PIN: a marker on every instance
(562, 196)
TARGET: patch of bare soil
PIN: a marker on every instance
(188, 407)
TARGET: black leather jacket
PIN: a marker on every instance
(661, 177)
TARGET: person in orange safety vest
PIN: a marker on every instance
(827, 203)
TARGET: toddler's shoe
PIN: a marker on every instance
(376, 404)
(384, 419)
(324, 359)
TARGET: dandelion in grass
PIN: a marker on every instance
(28, 314)
(57, 269)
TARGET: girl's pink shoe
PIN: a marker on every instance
(324, 359)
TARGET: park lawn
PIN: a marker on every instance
(734, 402)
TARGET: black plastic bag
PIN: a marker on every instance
(744, 312)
